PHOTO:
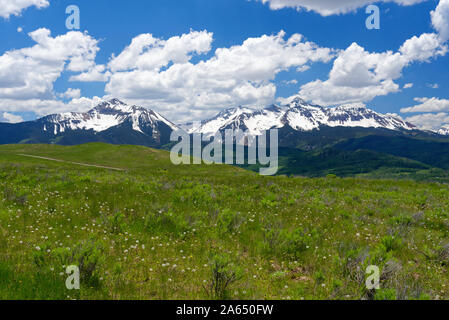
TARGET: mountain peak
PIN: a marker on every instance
(114, 104)
(444, 130)
(301, 116)
(115, 101)
(298, 101)
(106, 115)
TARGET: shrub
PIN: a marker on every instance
(391, 243)
(272, 238)
(12, 195)
(296, 242)
(115, 223)
(40, 256)
(402, 219)
(84, 179)
(224, 273)
(319, 277)
(390, 270)
(270, 201)
(443, 255)
(162, 221)
(87, 256)
(228, 221)
(354, 261)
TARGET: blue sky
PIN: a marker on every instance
(337, 60)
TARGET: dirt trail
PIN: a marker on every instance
(71, 162)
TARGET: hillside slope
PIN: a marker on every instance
(158, 231)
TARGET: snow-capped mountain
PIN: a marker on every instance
(111, 122)
(300, 116)
(444, 131)
(106, 115)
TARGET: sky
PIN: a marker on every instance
(189, 59)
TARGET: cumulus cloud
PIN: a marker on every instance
(28, 74)
(440, 19)
(359, 76)
(96, 73)
(356, 76)
(160, 73)
(15, 7)
(428, 105)
(423, 48)
(72, 93)
(44, 107)
(176, 77)
(148, 53)
(408, 85)
(10, 118)
(429, 121)
(435, 113)
(330, 7)
(82, 104)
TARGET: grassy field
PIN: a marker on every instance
(158, 231)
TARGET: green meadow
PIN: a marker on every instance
(156, 231)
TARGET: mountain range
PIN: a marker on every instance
(299, 116)
(314, 140)
(110, 122)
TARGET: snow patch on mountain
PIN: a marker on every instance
(106, 115)
(444, 130)
(300, 116)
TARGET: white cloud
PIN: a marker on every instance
(357, 76)
(428, 105)
(423, 48)
(360, 76)
(163, 74)
(28, 74)
(94, 74)
(290, 82)
(82, 104)
(44, 107)
(330, 7)
(160, 73)
(148, 53)
(440, 19)
(433, 85)
(435, 116)
(408, 85)
(72, 93)
(10, 118)
(15, 7)
(429, 121)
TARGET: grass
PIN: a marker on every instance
(159, 231)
